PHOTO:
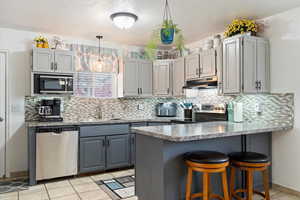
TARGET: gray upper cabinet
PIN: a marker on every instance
(48, 60)
(43, 60)
(118, 151)
(131, 78)
(161, 78)
(92, 154)
(207, 63)
(64, 61)
(137, 80)
(192, 67)
(231, 66)
(145, 78)
(178, 77)
(246, 67)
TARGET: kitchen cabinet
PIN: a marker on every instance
(48, 60)
(137, 78)
(132, 149)
(178, 77)
(92, 154)
(192, 67)
(162, 77)
(207, 63)
(246, 67)
(118, 151)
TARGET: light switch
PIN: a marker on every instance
(140, 107)
(259, 108)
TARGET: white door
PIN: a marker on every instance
(192, 67)
(131, 78)
(3, 62)
(178, 77)
(43, 60)
(208, 63)
(145, 78)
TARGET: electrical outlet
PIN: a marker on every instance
(259, 108)
(140, 107)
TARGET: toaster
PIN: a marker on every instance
(166, 109)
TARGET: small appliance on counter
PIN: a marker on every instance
(49, 110)
(206, 113)
(235, 112)
(166, 109)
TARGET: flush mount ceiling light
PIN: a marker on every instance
(124, 20)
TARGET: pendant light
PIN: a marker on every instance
(124, 20)
(99, 37)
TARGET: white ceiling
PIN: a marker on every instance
(87, 18)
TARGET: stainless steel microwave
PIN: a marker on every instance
(52, 84)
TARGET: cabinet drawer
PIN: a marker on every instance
(100, 130)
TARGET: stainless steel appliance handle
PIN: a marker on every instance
(55, 77)
(53, 92)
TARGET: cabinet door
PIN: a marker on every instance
(132, 149)
(43, 60)
(161, 78)
(192, 67)
(64, 61)
(263, 65)
(208, 63)
(92, 154)
(145, 78)
(131, 78)
(231, 66)
(249, 65)
(118, 150)
(178, 77)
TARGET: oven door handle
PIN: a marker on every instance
(57, 77)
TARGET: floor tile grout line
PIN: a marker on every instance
(47, 190)
(77, 193)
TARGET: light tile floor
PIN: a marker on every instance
(84, 188)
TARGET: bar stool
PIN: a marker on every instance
(207, 162)
(250, 162)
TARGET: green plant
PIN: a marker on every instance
(167, 26)
(155, 41)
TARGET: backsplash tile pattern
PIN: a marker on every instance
(276, 107)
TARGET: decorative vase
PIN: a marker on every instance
(167, 35)
(39, 45)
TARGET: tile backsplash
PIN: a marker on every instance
(276, 107)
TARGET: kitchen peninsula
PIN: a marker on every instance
(160, 168)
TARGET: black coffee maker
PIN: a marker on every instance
(49, 110)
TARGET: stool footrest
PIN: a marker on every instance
(211, 196)
(237, 191)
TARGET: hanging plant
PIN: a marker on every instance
(167, 34)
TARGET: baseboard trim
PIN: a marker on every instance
(20, 174)
(285, 189)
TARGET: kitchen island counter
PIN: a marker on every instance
(160, 167)
(208, 130)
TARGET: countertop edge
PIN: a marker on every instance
(208, 136)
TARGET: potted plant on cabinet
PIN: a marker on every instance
(241, 26)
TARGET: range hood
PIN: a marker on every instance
(203, 83)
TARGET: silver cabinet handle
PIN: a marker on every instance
(1, 119)
(138, 90)
(55, 66)
(259, 85)
(256, 85)
(141, 90)
(52, 66)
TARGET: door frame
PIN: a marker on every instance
(7, 115)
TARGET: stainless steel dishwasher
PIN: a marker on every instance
(56, 152)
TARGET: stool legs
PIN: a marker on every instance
(205, 186)
(225, 185)
(266, 184)
(249, 185)
(232, 181)
(189, 184)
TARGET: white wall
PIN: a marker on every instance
(283, 30)
(19, 44)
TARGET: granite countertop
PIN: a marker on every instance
(208, 130)
(97, 122)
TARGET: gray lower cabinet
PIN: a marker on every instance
(132, 149)
(92, 154)
(118, 151)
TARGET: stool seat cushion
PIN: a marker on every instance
(249, 157)
(206, 157)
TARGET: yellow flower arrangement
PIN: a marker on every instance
(241, 26)
(41, 42)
